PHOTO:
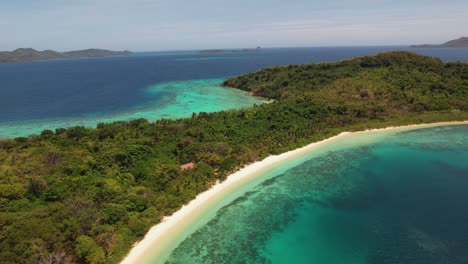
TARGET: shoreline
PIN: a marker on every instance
(164, 237)
(153, 109)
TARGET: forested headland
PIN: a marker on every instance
(28, 54)
(85, 195)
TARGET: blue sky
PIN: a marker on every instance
(145, 25)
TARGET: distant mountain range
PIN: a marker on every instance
(456, 43)
(28, 54)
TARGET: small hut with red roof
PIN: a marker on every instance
(188, 166)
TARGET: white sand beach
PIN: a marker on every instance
(162, 238)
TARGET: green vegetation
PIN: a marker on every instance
(29, 54)
(86, 195)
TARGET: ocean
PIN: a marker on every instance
(386, 197)
(62, 93)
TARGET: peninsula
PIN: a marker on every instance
(86, 195)
(456, 43)
(28, 54)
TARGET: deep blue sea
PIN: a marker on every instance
(56, 93)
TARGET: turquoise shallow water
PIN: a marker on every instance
(175, 99)
(392, 198)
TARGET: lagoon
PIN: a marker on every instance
(395, 196)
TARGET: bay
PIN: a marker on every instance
(390, 197)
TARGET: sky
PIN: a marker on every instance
(152, 25)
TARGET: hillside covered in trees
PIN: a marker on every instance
(82, 195)
(28, 54)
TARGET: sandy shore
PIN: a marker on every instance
(165, 236)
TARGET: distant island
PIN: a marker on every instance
(28, 54)
(209, 51)
(456, 43)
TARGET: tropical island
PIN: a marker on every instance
(28, 54)
(85, 195)
(456, 43)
